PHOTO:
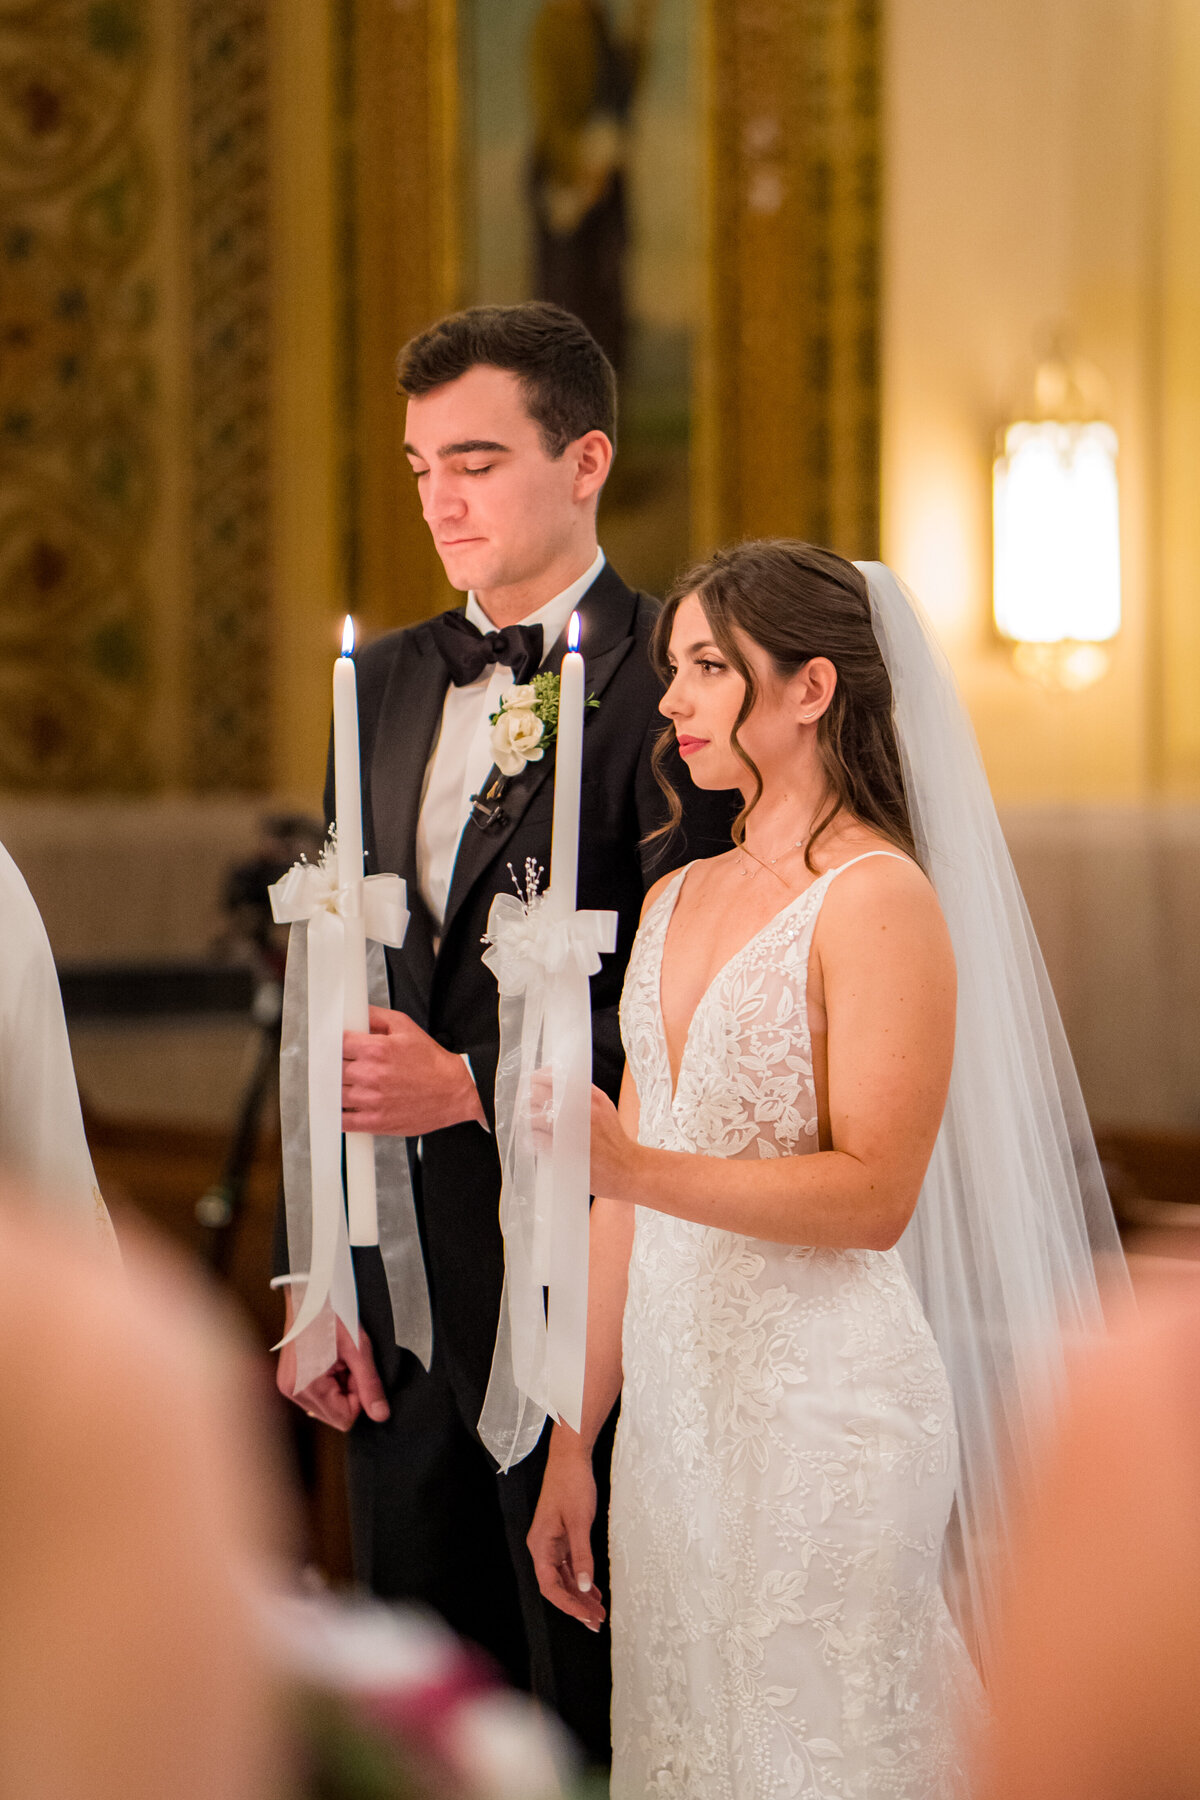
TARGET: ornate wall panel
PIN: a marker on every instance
(788, 411)
(78, 443)
(230, 645)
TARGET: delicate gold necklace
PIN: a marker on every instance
(770, 864)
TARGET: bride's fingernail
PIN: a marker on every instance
(590, 1626)
(584, 1584)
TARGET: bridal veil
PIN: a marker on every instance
(1013, 1235)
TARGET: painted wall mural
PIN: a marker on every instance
(702, 183)
(582, 157)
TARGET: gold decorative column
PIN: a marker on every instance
(1175, 648)
(398, 237)
(364, 204)
(787, 384)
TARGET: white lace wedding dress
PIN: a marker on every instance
(785, 1458)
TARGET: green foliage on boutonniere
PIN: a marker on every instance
(526, 722)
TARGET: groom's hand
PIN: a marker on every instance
(397, 1082)
(351, 1386)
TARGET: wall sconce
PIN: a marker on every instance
(1056, 591)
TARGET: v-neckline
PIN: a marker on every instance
(673, 895)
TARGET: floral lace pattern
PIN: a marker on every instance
(785, 1458)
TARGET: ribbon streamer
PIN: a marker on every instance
(310, 1104)
(542, 964)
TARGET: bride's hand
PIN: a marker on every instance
(560, 1538)
(612, 1148)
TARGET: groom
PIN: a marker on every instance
(510, 429)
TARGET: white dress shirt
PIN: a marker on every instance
(462, 753)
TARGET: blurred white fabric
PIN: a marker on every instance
(42, 1139)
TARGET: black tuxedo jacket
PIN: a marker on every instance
(402, 684)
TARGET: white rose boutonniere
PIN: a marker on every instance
(526, 722)
(517, 735)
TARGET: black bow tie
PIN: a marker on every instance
(467, 651)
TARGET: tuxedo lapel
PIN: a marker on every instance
(409, 719)
(606, 614)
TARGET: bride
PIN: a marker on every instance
(830, 1231)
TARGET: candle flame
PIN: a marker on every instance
(573, 632)
(348, 637)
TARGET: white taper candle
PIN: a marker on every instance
(360, 1147)
(561, 899)
(568, 771)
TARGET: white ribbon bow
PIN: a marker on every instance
(542, 962)
(527, 942)
(311, 888)
(309, 898)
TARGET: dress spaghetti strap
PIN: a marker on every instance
(893, 855)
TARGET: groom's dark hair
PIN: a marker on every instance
(568, 382)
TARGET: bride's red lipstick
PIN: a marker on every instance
(687, 745)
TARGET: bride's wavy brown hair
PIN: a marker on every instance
(796, 601)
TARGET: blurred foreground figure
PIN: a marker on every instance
(394, 1707)
(129, 1667)
(149, 1649)
(41, 1127)
(1095, 1693)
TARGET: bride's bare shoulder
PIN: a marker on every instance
(700, 874)
(654, 894)
(887, 893)
(877, 867)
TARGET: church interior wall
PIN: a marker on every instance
(1042, 168)
(1025, 160)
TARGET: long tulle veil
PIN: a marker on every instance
(1013, 1234)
